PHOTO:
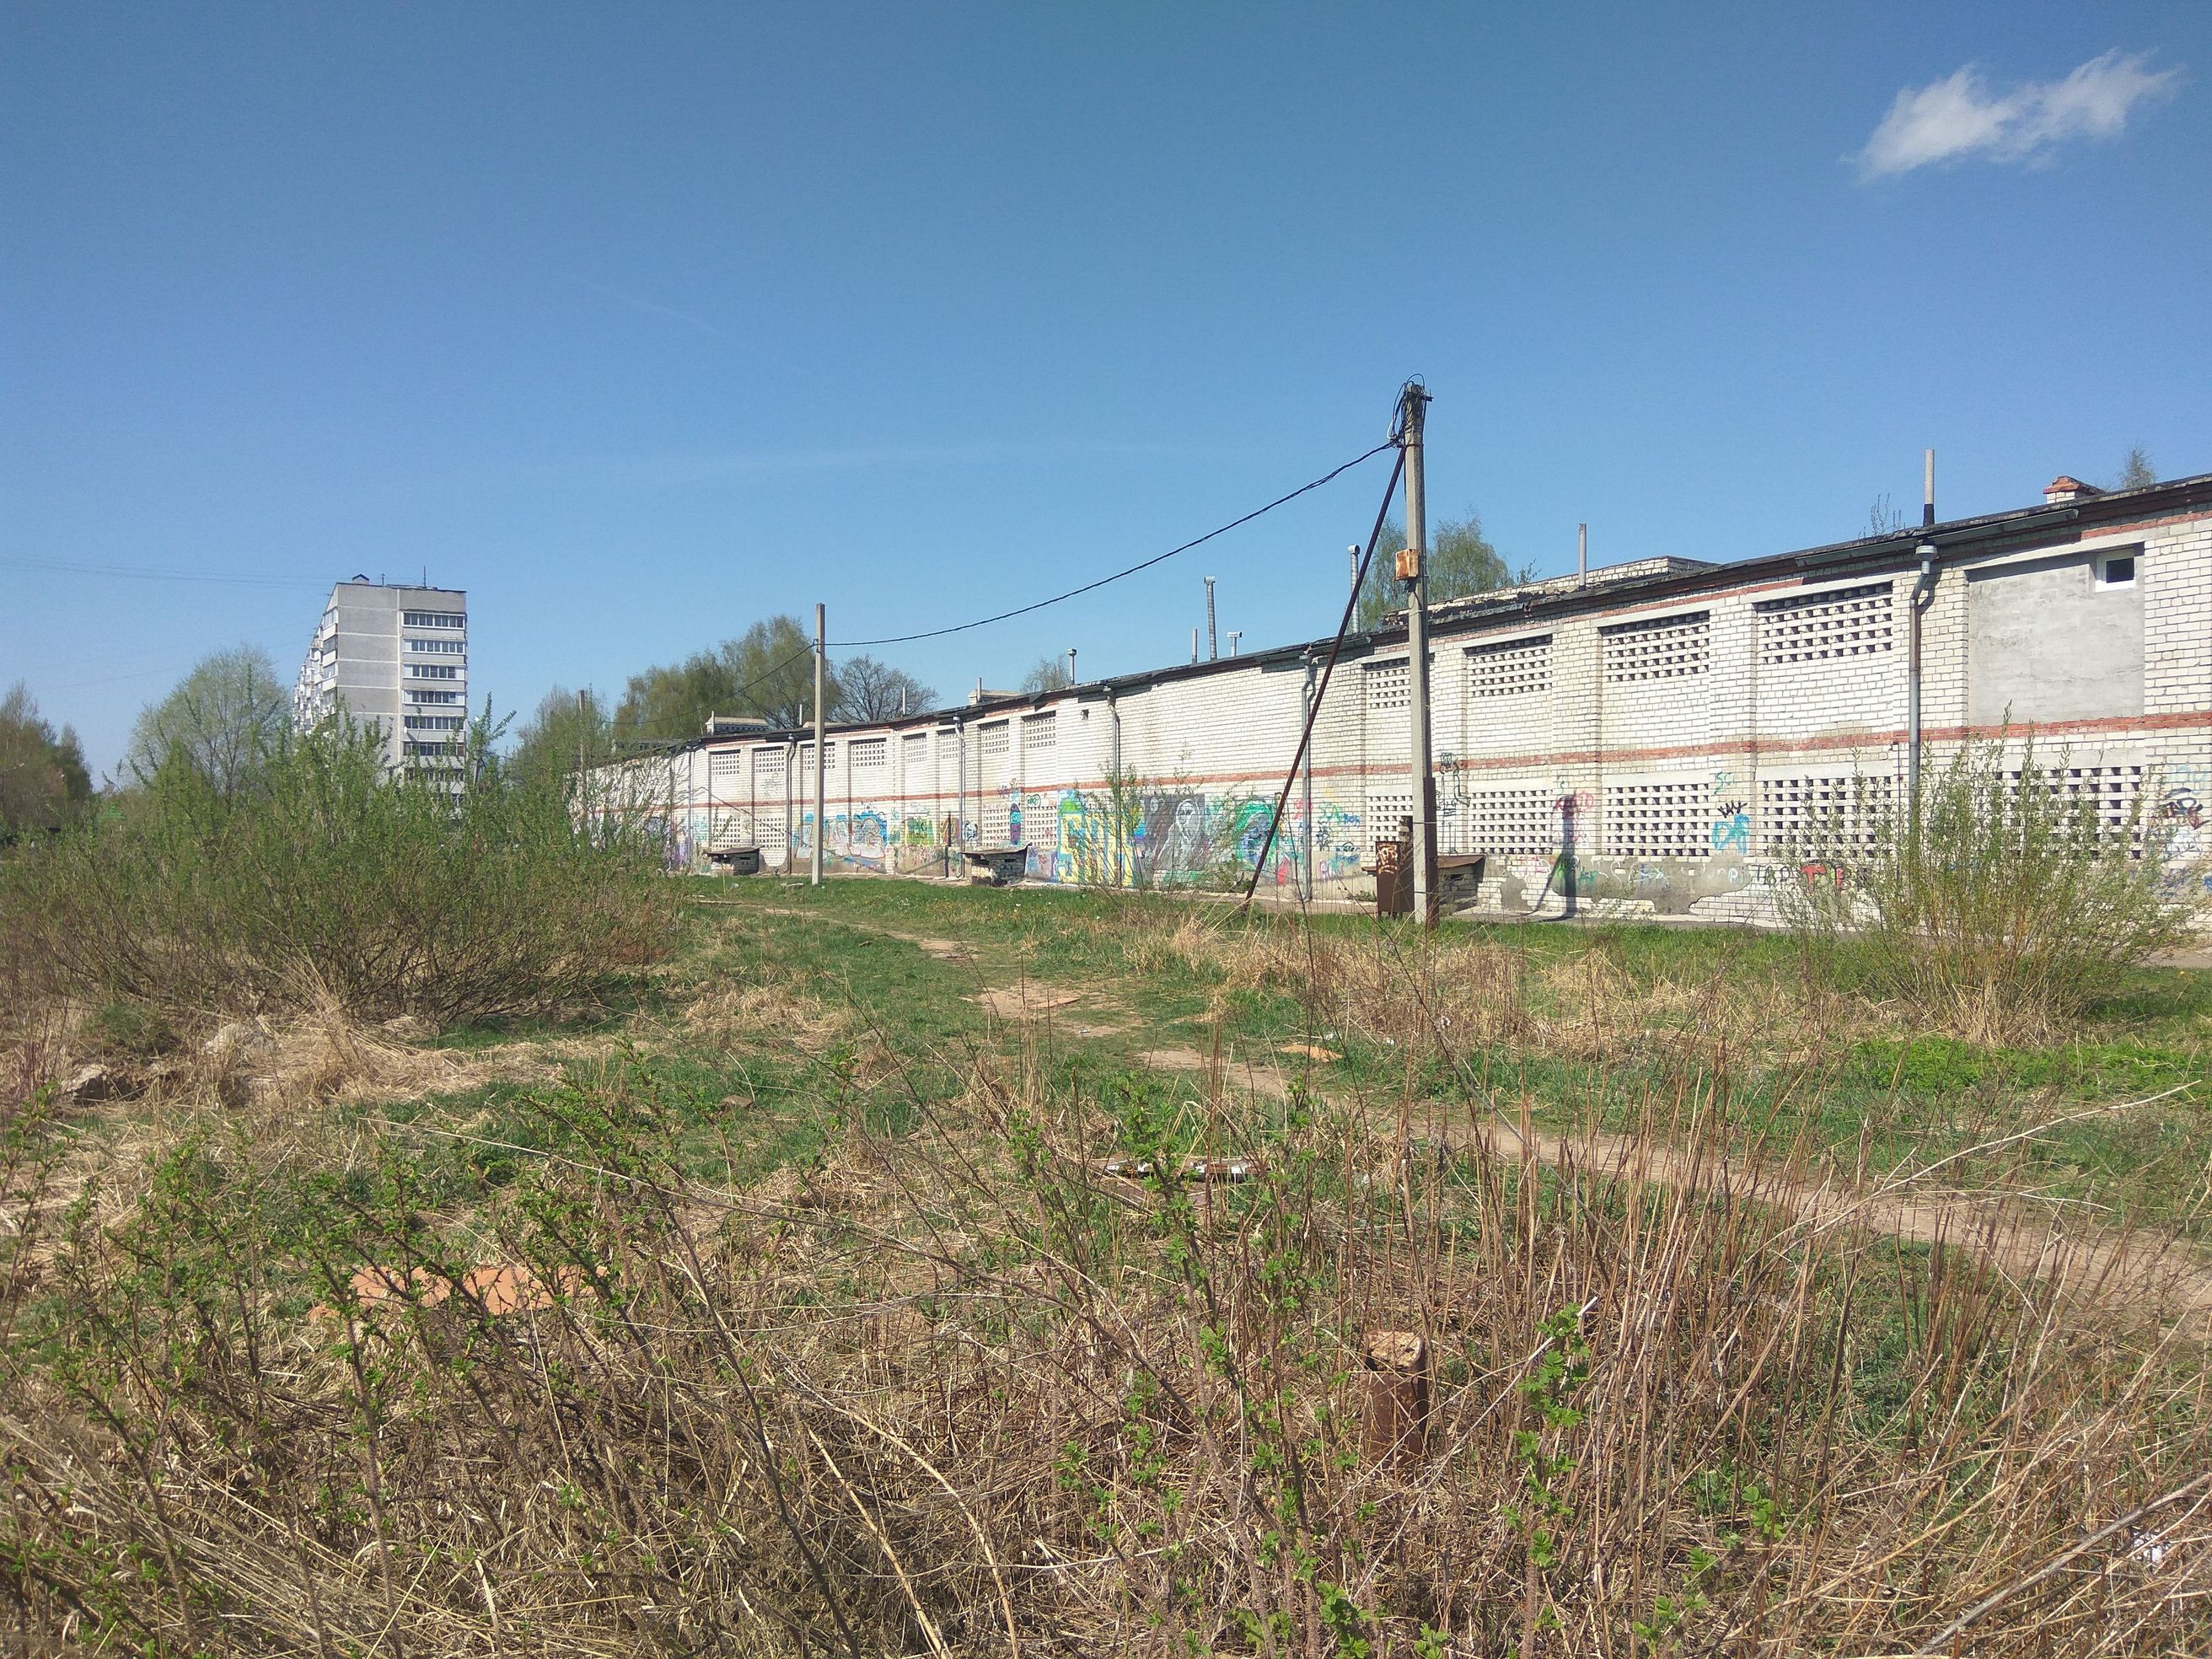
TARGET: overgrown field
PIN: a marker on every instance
(896, 1268)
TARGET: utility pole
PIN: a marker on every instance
(1413, 570)
(1213, 640)
(821, 771)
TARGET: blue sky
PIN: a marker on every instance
(642, 324)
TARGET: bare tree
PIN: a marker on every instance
(871, 691)
(2136, 472)
(1051, 674)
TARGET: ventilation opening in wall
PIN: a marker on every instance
(1386, 812)
(1510, 668)
(1509, 820)
(1386, 687)
(1658, 647)
(1827, 815)
(1668, 819)
(1851, 621)
(2117, 570)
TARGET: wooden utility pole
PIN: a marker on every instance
(1413, 570)
(821, 768)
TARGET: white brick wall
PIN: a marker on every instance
(1690, 737)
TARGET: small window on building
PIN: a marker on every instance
(2117, 571)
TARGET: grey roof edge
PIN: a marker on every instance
(1899, 550)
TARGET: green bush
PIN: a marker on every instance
(325, 878)
(2015, 902)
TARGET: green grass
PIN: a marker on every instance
(1906, 1094)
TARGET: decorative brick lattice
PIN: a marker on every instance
(2111, 789)
(1384, 809)
(995, 741)
(1387, 688)
(722, 771)
(1039, 732)
(1510, 668)
(914, 761)
(768, 770)
(870, 754)
(1668, 820)
(1825, 815)
(1510, 821)
(1852, 621)
(1658, 647)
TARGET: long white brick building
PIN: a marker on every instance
(1667, 725)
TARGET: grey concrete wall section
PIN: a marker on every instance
(2044, 641)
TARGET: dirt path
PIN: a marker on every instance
(1995, 1228)
(2022, 1244)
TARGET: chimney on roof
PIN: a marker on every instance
(2065, 488)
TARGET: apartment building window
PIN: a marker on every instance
(414, 696)
(433, 722)
(432, 670)
(448, 647)
(433, 619)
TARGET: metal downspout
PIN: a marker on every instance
(1924, 592)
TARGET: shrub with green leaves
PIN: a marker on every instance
(2016, 899)
(325, 877)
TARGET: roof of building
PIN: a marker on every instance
(1611, 587)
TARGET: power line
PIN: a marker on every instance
(1146, 564)
(143, 572)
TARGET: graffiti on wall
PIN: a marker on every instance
(1732, 828)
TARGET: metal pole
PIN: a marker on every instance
(1413, 568)
(1213, 640)
(1235, 634)
(1582, 554)
(1353, 553)
(821, 674)
(1071, 664)
(1305, 712)
(1927, 488)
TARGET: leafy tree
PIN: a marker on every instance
(566, 729)
(871, 691)
(225, 719)
(1461, 561)
(1049, 674)
(768, 673)
(44, 782)
(2136, 471)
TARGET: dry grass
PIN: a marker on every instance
(966, 1392)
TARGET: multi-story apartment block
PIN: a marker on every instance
(394, 659)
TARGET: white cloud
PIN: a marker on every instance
(1952, 119)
